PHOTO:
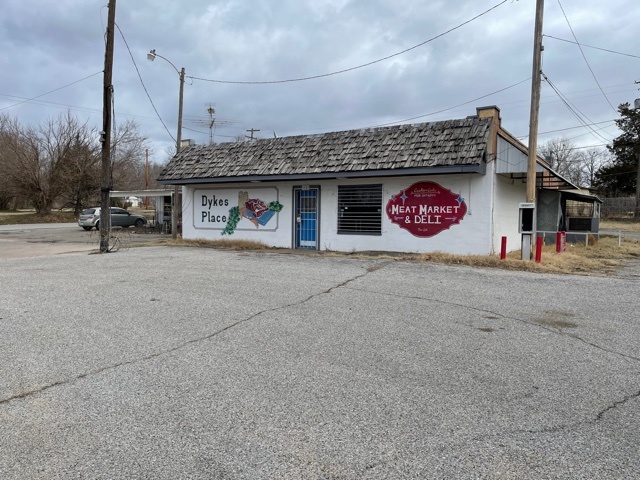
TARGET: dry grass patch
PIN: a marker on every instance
(22, 217)
(601, 258)
(624, 225)
(226, 244)
(604, 257)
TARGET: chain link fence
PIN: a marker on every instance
(618, 207)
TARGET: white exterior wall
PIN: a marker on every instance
(473, 235)
(508, 196)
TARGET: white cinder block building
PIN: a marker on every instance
(451, 186)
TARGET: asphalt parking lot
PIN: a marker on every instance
(168, 362)
(33, 240)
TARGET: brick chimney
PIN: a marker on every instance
(493, 112)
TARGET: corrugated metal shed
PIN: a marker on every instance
(436, 145)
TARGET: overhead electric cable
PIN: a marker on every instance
(591, 46)
(195, 131)
(520, 137)
(615, 174)
(585, 58)
(455, 106)
(352, 68)
(54, 90)
(574, 110)
(143, 85)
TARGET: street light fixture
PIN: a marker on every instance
(151, 56)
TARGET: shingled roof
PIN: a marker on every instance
(452, 146)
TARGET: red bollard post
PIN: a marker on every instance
(561, 242)
(539, 250)
(503, 249)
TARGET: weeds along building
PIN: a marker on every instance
(452, 186)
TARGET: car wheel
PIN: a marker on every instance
(139, 223)
(87, 228)
(98, 225)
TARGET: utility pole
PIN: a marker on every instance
(251, 130)
(105, 184)
(535, 103)
(176, 189)
(146, 179)
(528, 210)
(175, 198)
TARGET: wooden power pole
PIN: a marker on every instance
(176, 199)
(535, 103)
(105, 138)
(252, 131)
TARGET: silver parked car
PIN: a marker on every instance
(90, 217)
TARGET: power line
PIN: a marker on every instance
(455, 106)
(520, 137)
(54, 104)
(591, 46)
(617, 173)
(195, 131)
(585, 58)
(352, 68)
(54, 90)
(143, 85)
(574, 110)
(589, 146)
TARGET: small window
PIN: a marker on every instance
(360, 209)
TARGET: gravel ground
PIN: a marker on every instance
(194, 363)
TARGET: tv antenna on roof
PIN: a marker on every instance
(212, 122)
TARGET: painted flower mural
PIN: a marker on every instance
(253, 209)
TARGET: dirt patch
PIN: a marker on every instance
(486, 329)
(557, 319)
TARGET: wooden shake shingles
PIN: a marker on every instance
(451, 142)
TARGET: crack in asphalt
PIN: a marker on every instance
(152, 356)
(556, 331)
(562, 427)
(615, 405)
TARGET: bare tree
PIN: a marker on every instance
(36, 160)
(81, 171)
(7, 198)
(562, 156)
(128, 157)
(590, 161)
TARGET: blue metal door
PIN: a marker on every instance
(306, 217)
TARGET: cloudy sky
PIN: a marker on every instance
(402, 61)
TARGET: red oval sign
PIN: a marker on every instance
(426, 209)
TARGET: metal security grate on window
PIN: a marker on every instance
(360, 209)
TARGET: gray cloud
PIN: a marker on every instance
(47, 45)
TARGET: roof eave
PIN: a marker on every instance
(479, 168)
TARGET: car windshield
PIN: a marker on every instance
(89, 211)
